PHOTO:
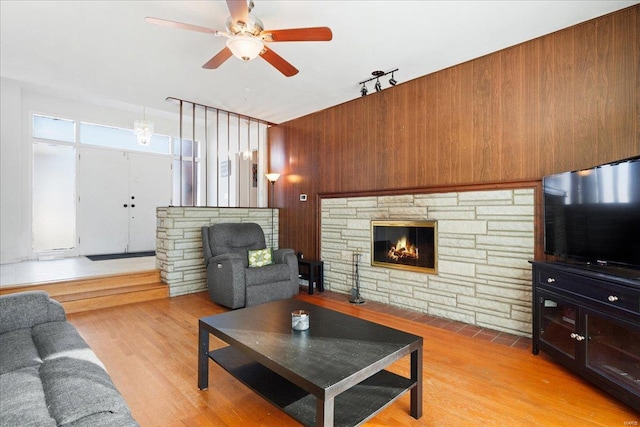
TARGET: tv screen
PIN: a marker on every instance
(593, 215)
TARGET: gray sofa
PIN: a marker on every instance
(230, 280)
(48, 374)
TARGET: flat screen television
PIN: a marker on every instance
(592, 216)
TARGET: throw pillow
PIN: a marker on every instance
(260, 258)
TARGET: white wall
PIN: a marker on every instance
(12, 229)
(18, 103)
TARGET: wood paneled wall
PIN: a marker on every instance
(564, 101)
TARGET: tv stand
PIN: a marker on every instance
(589, 321)
(603, 267)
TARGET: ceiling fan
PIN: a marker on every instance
(246, 37)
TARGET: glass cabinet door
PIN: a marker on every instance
(613, 350)
(558, 324)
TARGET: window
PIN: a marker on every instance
(123, 139)
(54, 129)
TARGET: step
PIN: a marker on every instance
(87, 284)
(93, 293)
(112, 297)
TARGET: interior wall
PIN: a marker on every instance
(11, 210)
(564, 101)
(19, 102)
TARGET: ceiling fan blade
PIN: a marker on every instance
(217, 60)
(239, 10)
(278, 62)
(313, 34)
(179, 25)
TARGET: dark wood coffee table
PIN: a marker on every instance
(331, 374)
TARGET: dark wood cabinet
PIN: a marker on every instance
(589, 320)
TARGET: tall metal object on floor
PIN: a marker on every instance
(355, 291)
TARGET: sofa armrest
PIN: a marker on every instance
(226, 279)
(287, 256)
(27, 309)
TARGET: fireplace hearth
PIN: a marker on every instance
(405, 245)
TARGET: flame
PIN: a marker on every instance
(403, 249)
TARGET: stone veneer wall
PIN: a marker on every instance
(485, 239)
(179, 254)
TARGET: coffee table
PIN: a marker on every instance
(331, 374)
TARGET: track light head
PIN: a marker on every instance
(392, 81)
(378, 86)
(363, 90)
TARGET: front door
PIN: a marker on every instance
(118, 193)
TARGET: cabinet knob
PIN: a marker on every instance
(577, 337)
(612, 298)
(550, 280)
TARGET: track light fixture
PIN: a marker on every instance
(363, 90)
(378, 85)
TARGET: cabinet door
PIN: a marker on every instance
(613, 350)
(558, 326)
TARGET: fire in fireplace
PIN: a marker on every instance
(405, 245)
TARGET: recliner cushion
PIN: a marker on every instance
(267, 274)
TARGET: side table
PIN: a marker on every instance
(313, 271)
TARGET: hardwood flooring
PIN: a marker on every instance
(150, 350)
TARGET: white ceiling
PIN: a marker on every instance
(104, 51)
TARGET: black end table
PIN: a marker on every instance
(313, 272)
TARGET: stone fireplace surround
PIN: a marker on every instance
(485, 240)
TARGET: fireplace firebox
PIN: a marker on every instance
(405, 245)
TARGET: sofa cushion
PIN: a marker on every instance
(17, 351)
(22, 400)
(267, 274)
(26, 309)
(61, 339)
(75, 389)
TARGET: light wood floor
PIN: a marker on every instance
(150, 350)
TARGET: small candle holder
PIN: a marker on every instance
(300, 320)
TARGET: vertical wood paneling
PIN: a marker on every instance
(441, 144)
(467, 130)
(564, 101)
(563, 90)
(511, 103)
(585, 94)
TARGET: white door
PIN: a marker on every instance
(149, 187)
(118, 196)
(103, 205)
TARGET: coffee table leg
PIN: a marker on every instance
(203, 358)
(416, 374)
(324, 412)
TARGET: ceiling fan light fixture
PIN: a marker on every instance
(245, 47)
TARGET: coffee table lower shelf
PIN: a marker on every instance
(352, 407)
